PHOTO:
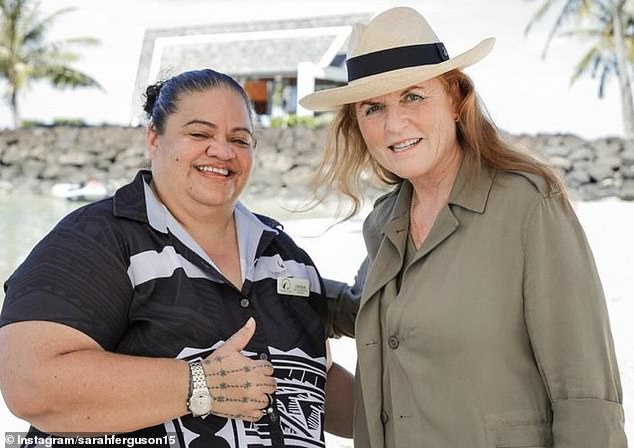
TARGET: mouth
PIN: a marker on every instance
(405, 145)
(213, 170)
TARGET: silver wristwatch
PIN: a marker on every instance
(200, 400)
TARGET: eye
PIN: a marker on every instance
(412, 97)
(198, 135)
(242, 142)
(370, 109)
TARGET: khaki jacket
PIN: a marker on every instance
(500, 334)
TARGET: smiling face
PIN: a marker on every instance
(204, 155)
(411, 132)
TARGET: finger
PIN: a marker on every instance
(270, 388)
(239, 340)
(267, 387)
(264, 367)
(254, 416)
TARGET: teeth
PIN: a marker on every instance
(213, 169)
(404, 145)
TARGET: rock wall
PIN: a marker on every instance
(33, 160)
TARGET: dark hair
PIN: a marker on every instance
(161, 98)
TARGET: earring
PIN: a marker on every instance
(456, 118)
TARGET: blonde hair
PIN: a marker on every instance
(346, 159)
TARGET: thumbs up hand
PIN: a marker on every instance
(241, 387)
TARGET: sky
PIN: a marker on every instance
(523, 92)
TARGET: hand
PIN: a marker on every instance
(239, 385)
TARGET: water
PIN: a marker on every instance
(24, 219)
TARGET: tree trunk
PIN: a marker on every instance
(15, 111)
(625, 84)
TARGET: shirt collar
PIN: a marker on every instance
(470, 191)
(138, 201)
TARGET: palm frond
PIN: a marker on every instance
(39, 27)
(25, 53)
(605, 74)
(584, 66)
(539, 14)
(571, 11)
(62, 76)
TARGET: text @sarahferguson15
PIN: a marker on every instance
(30, 440)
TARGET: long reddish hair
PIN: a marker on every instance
(346, 160)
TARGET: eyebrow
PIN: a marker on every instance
(214, 126)
(409, 89)
(404, 92)
(367, 103)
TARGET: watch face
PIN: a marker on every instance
(200, 403)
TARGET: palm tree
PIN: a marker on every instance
(624, 58)
(25, 55)
(600, 60)
(612, 25)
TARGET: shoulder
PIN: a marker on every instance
(284, 243)
(88, 219)
(525, 184)
(518, 194)
(90, 235)
(96, 222)
(269, 222)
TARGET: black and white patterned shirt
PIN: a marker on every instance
(126, 273)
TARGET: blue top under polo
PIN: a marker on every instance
(127, 274)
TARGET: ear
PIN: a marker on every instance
(454, 95)
(151, 139)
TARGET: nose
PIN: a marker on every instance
(220, 149)
(394, 118)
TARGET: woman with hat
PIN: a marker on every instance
(482, 320)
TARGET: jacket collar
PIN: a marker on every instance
(472, 187)
(470, 191)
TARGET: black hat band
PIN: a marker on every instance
(395, 58)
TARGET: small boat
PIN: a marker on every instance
(91, 190)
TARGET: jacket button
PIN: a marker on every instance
(393, 342)
(264, 356)
(244, 303)
(384, 417)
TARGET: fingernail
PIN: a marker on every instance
(250, 323)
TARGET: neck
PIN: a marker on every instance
(199, 219)
(434, 188)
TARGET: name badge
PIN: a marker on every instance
(290, 286)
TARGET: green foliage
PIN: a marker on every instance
(29, 124)
(296, 121)
(26, 55)
(293, 121)
(69, 122)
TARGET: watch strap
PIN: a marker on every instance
(197, 378)
(198, 389)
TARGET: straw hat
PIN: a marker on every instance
(393, 51)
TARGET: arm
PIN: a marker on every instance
(339, 401)
(568, 324)
(344, 302)
(61, 380)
